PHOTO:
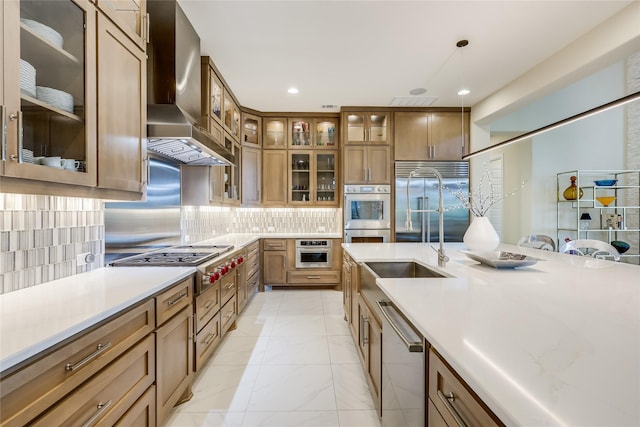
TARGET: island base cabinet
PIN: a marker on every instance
(370, 351)
(434, 419)
(174, 362)
(207, 340)
(453, 399)
(104, 399)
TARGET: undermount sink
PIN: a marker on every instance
(401, 270)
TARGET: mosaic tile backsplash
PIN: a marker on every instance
(41, 236)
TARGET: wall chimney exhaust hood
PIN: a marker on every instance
(173, 90)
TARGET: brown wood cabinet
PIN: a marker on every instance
(251, 176)
(103, 126)
(350, 289)
(432, 135)
(130, 16)
(367, 127)
(207, 340)
(253, 269)
(370, 350)
(174, 347)
(453, 399)
(274, 133)
(274, 177)
(211, 99)
(35, 388)
(274, 261)
(241, 283)
(251, 130)
(122, 118)
(363, 164)
(310, 132)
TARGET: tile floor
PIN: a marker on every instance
(290, 362)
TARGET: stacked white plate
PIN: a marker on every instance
(47, 33)
(55, 97)
(27, 156)
(27, 78)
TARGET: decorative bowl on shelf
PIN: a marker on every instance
(621, 246)
(606, 200)
(605, 182)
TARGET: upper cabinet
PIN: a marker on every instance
(130, 16)
(231, 116)
(53, 45)
(313, 132)
(431, 135)
(275, 133)
(83, 125)
(211, 98)
(367, 128)
(251, 130)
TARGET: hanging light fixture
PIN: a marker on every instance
(463, 90)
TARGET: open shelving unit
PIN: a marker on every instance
(620, 220)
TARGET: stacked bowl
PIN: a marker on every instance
(47, 33)
(27, 78)
(55, 97)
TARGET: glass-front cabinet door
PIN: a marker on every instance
(231, 116)
(301, 177)
(325, 177)
(367, 128)
(275, 134)
(49, 88)
(326, 134)
(300, 133)
(215, 94)
(251, 130)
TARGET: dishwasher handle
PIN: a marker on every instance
(413, 345)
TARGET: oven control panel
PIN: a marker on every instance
(311, 243)
(365, 189)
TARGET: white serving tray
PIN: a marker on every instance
(501, 259)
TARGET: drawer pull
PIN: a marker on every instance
(102, 407)
(447, 403)
(209, 303)
(178, 298)
(229, 315)
(314, 277)
(73, 366)
(209, 339)
(229, 286)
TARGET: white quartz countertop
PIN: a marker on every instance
(553, 344)
(36, 318)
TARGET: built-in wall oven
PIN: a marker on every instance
(367, 213)
(314, 254)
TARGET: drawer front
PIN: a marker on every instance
(454, 399)
(142, 413)
(313, 277)
(207, 305)
(227, 287)
(253, 265)
(207, 340)
(253, 250)
(31, 390)
(433, 416)
(170, 302)
(252, 284)
(274, 244)
(105, 398)
(228, 315)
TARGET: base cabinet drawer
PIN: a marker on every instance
(105, 398)
(313, 277)
(454, 400)
(207, 305)
(434, 419)
(207, 340)
(142, 413)
(253, 283)
(227, 287)
(173, 300)
(228, 315)
(36, 387)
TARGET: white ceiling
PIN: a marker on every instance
(354, 53)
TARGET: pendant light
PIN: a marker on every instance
(463, 90)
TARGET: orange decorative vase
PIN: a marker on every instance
(572, 192)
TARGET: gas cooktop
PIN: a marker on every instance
(189, 256)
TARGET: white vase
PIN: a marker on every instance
(481, 236)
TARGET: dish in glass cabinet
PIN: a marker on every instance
(605, 182)
(501, 259)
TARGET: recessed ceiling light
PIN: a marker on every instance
(464, 92)
(293, 90)
(417, 91)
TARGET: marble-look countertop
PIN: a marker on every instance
(37, 318)
(553, 344)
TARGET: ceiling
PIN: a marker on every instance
(355, 53)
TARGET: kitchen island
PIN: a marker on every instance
(556, 343)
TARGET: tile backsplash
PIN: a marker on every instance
(41, 236)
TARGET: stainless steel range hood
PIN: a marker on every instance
(174, 90)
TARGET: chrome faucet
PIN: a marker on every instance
(442, 258)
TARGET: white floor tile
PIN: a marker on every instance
(291, 419)
(205, 419)
(342, 349)
(240, 350)
(300, 350)
(254, 326)
(293, 388)
(351, 388)
(307, 325)
(358, 419)
(336, 325)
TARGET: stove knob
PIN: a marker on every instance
(224, 269)
(240, 260)
(215, 276)
(234, 263)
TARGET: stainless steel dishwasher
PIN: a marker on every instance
(403, 370)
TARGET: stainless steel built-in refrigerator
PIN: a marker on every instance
(423, 195)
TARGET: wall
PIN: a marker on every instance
(40, 236)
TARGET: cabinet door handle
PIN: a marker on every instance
(313, 277)
(102, 407)
(365, 340)
(176, 299)
(18, 116)
(147, 28)
(447, 403)
(100, 349)
(209, 304)
(209, 339)
(3, 123)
